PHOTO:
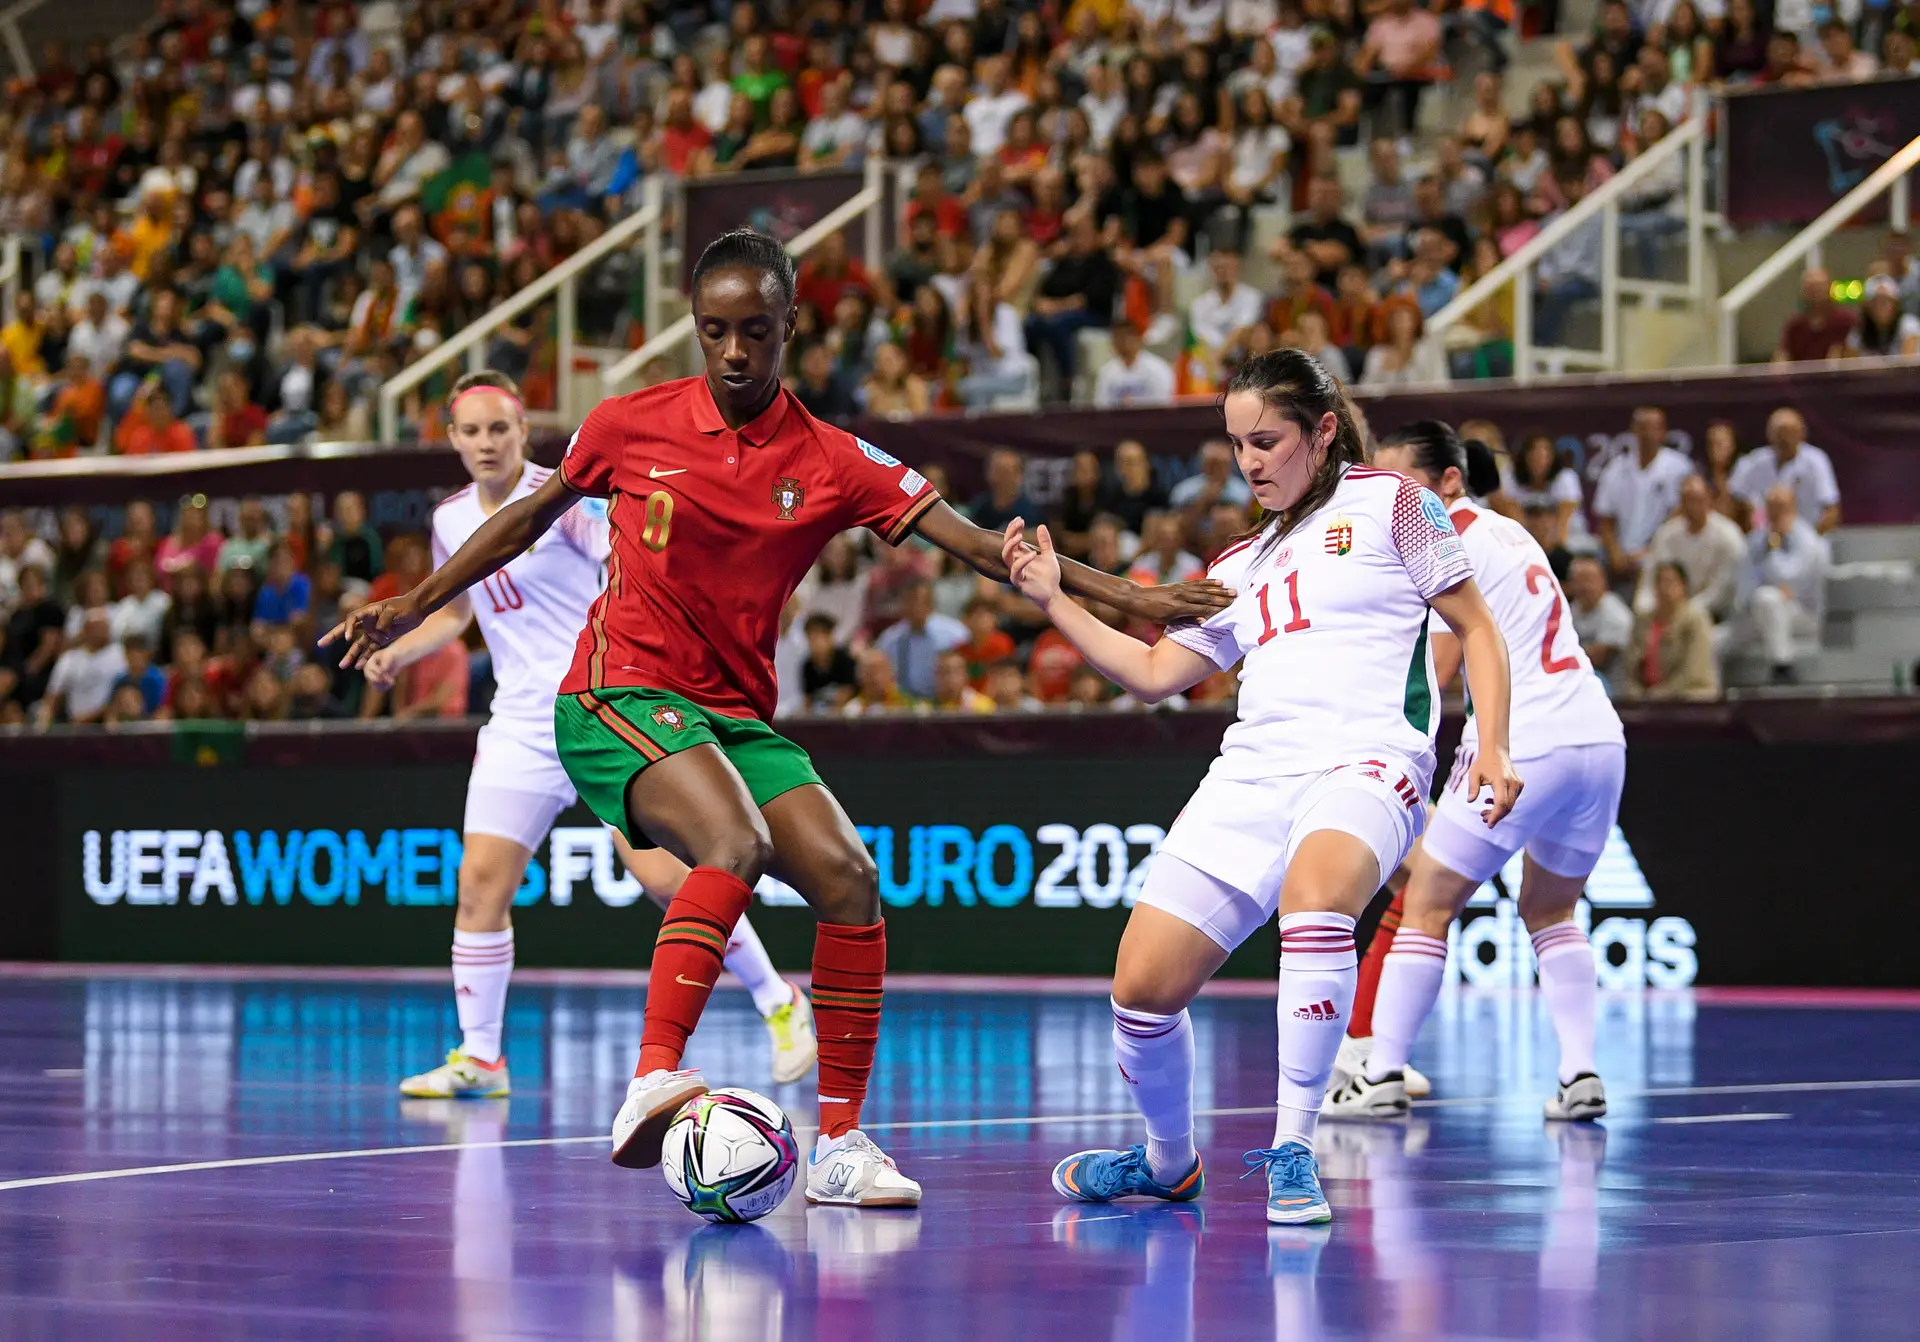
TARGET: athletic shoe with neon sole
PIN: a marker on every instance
(850, 1171)
(1103, 1175)
(1581, 1100)
(640, 1128)
(1352, 1060)
(1361, 1098)
(1293, 1184)
(795, 1049)
(460, 1078)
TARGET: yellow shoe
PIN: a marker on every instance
(795, 1048)
(460, 1078)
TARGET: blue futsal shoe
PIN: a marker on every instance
(1293, 1184)
(1102, 1176)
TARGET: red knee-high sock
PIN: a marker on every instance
(1360, 1023)
(686, 962)
(848, 966)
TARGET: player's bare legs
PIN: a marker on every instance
(817, 851)
(694, 804)
(1567, 981)
(491, 869)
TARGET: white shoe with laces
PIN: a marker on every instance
(795, 1047)
(1352, 1061)
(850, 1171)
(640, 1128)
(460, 1077)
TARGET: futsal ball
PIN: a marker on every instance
(730, 1155)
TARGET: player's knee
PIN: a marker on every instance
(486, 892)
(1136, 987)
(744, 854)
(850, 888)
(1428, 919)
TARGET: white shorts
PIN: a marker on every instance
(1243, 834)
(1563, 818)
(517, 788)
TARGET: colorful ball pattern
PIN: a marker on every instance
(730, 1155)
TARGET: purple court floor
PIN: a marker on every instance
(1759, 1178)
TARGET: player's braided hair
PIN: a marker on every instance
(1300, 388)
(748, 249)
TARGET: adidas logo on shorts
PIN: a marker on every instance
(1321, 1010)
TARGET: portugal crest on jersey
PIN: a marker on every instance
(1339, 536)
(787, 496)
(670, 718)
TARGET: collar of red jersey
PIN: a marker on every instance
(708, 419)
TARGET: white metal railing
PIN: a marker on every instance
(10, 269)
(563, 280)
(10, 35)
(1689, 138)
(1890, 176)
(867, 201)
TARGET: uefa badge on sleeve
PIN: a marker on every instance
(1340, 536)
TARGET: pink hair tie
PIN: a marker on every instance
(500, 391)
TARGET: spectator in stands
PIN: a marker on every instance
(1789, 459)
(1216, 479)
(821, 385)
(951, 691)
(1540, 479)
(1708, 548)
(837, 588)
(986, 642)
(355, 546)
(1601, 620)
(1786, 583)
(1404, 358)
(1135, 375)
(1883, 329)
(142, 612)
(876, 690)
(1054, 659)
(828, 675)
(32, 639)
(1723, 455)
(1329, 241)
(1655, 209)
(1820, 329)
(1638, 490)
(158, 347)
(1387, 208)
(145, 679)
(1399, 58)
(1162, 557)
(1672, 654)
(914, 644)
(1007, 687)
(1566, 273)
(251, 542)
(1841, 62)
(99, 337)
(84, 675)
(1076, 291)
(1078, 506)
(285, 594)
(1224, 308)
(191, 543)
(1133, 490)
(1005, 497)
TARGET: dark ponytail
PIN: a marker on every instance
(1300, 388)
(1483, 472)
(1436, 448)
(747, 249)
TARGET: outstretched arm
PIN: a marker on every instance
(507, 533)
(1489, 679)
(1149, 674)
(985, 553)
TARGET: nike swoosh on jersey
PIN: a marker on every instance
(657, 474)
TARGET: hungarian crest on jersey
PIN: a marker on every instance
(787, 496)
(671, 718)
(1339, 536)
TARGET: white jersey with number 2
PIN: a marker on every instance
(1330, 623)
(532, 611)
(1556, 700)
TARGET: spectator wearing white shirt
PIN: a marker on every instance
(1659, 90)
(1162, 558)
(1703, 542)
(1637, 492)
(914, 643)
(1601, 620)
(1841, 61)
(1134, 376)
(1539, 480)
(1247, 20)
(1787, 582)
(1291, 38)
(988, 111)
(1789, 459)
(142, 612)
(62, 286)
(837, 138)
(1104, 102)
(101, 336)
(84, 676)
(412, 250)
(1218, 315)
(268, 221)
(1217, 480)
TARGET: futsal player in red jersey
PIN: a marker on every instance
(723, 491)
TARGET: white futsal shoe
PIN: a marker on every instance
(1361, 1098)
(1352, 1061)
(460, 1078)
(795, 1047)
(640, 1128)
(850, 1171)
(1581, 1100)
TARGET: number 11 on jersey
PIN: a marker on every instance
(1293, 626)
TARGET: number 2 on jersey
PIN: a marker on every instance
(1548, 662)
(1293, 626)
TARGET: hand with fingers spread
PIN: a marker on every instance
(1492, 771)
(373, 627)
(1035, 573)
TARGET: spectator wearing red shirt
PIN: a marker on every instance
(407, 563)
(236, 421)
(157, 430)
(433, 687)
(94, 152)
(987, 642)
(830, 274)
(930, 196)
(1821, 327)
(682, 137)
(1051, 665)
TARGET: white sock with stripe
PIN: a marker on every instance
(482, 964)
(747, 961)
(1570, 985)
(1318, 971)
(1155, 1054)
(1409, 984)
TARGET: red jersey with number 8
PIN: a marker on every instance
(712, 530)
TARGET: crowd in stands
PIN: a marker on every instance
(244, 218)
(1673, 563)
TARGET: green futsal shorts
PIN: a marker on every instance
(607, 736)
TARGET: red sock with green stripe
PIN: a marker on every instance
(686, 962)
(849, 964)
(1360, 1023)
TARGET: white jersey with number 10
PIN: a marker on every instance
(1331, 621)
(530, 612)
(1557, 699)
